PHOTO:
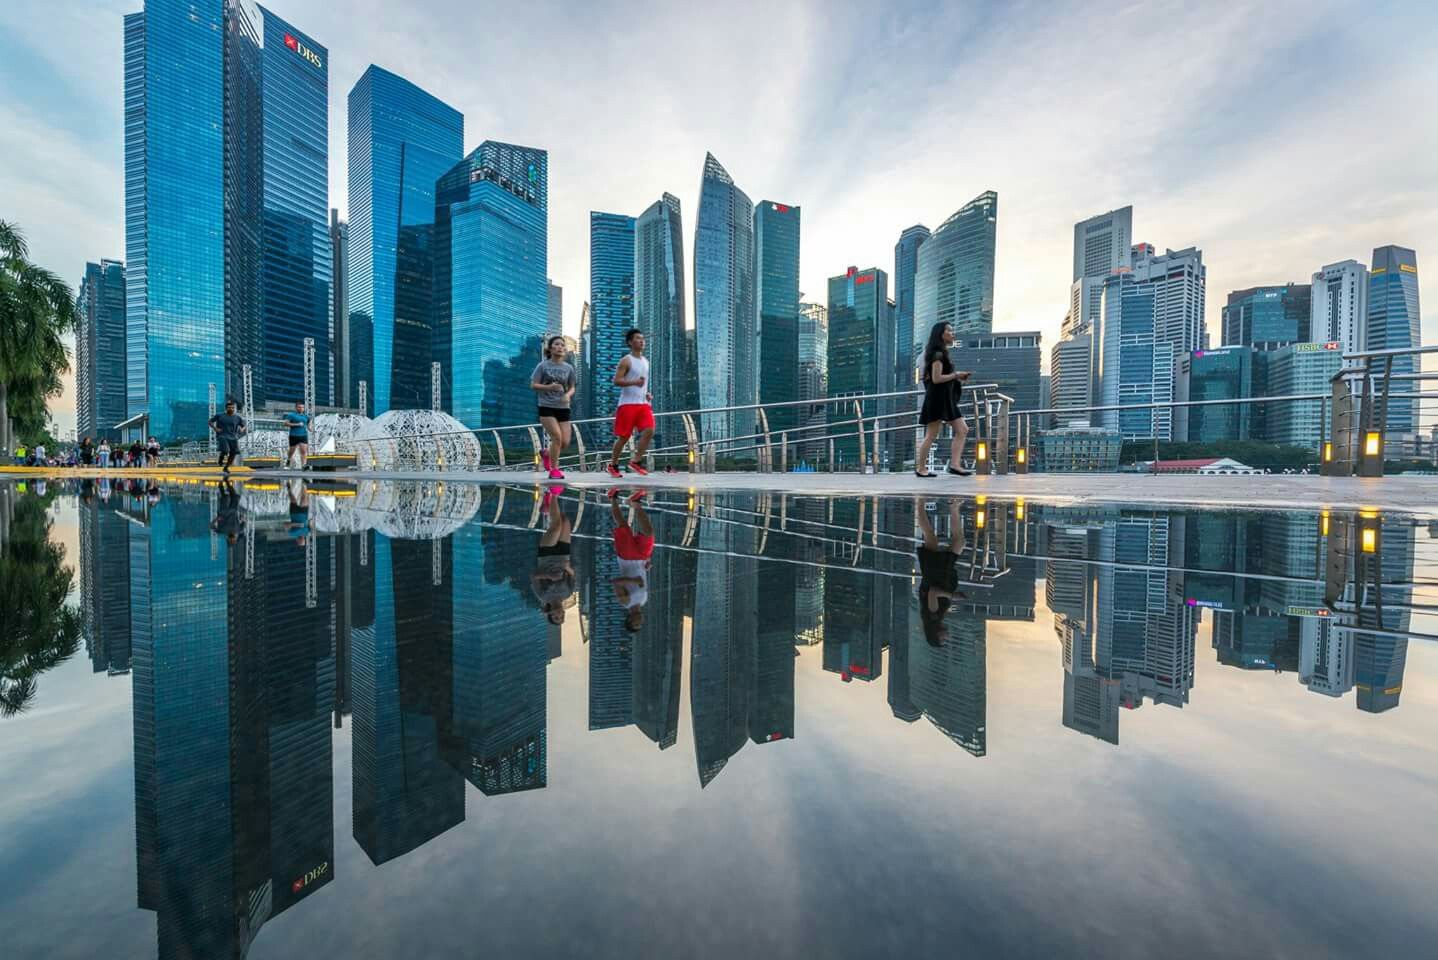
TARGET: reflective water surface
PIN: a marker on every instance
(410, 719)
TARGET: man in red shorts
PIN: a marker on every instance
(631, 587)
(634, 413)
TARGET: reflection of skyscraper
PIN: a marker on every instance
(105, 588)
(233, 798)
(404, 793)
(1379, 658)
(722, 657)
(949, 684)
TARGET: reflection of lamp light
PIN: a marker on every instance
(1019, 509)
(1323, 524)
(1328, 452)
(979, 517)
(1370, 443)
(1370, 539)
(983, 452)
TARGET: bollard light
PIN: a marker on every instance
(1370, 539)
(1023, 455)
(979, 518)
(1371, 443)
(1323, 524)
(1328, 451)
(983, 450)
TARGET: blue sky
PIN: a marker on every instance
(1276, 136)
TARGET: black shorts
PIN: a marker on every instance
(230, 445)
(559, 413)
(296, 441)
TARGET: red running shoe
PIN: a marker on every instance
(638, 495)
(638, 468)
(614, 470)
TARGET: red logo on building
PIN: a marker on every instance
(864, 278)
(292, 43)
(780, 208)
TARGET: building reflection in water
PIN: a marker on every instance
(253, 628)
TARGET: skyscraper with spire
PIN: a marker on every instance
(724, 302)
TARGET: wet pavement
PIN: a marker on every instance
(416, 718)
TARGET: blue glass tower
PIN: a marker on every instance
(659, 308)
(491, 286)
(724, 317)
(611, 305)
(860, 354)
(906, 270)
(954, 276)
(1271, 316)
(226, 158)
(776, 255)
(100, 351)
(296, 257)
(401, 140)
(1134, 364)
(1393, 325)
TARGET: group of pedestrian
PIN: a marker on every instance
(88, 453)
(555, 383)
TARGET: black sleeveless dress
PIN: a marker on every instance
(941, 400)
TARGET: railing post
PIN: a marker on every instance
(534, 442)
(691, 442)
(859, 429)
(1337, 449)
(1001, 438)
(784, 451)
(1375, 421)
(579, 443)
(765, 459)
(499, 448)
(983, 459)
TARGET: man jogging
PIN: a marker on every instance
(634, 549)
(228, 427)
(634, 413)
(299, 422)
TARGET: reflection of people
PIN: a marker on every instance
(299, 423)
(228, 427)
(634, 549)
(634, 414)
(938, 576)
(553, 577)
(227, 513)
(299, 525)
(554, 381)
(942, 388)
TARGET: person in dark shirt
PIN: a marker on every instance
(299, 423)
(938, 574)
(553, 579)
(229, 427)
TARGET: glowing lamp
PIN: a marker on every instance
(1328, 452)
(983, 452)
(1023, 455)
(1019, 510)
(979, 517)
(1371, 442)
(1323, 524)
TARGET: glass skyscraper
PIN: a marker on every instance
(555, 326)
(295, 262)
(1134, 365)
(776, 276)
(1275, 315)
(611, 305)
(906, 269)
(1010, 360)
(860, 356)
(226, 158)
(659, 309)
(954, 279)
(724, 317)
(1393, 324)
(100, 351)
(401, 140)
(1222, 374)
(491, 286)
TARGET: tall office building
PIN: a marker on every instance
(100, 351)
(1073, 371)
(1274, 316)
(954, 278)
(226, 194)
(1134, 365)
(659, 311)
(813, 377)
(1102, 243)
(1299, 368)
(491, 287)
(340, 312)
(1393, 324)
(401, 140)
(726, 340)
(1340, 305)
(906, 271)
(555, 325)
(611, 305)
(1010, 360)
(776, 285)
(582, 403)
(1178, 280)
(861, 357)
(1225, 373)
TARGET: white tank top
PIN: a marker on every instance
(638, 367)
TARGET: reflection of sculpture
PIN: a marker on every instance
(412, 510)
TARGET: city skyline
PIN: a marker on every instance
(66, 119)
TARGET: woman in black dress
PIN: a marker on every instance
(942, 389)
(938, 578)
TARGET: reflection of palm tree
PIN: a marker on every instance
(37, 630)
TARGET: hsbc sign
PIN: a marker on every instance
(293, 43)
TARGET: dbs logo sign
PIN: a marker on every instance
(294, 44)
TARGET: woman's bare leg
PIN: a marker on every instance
(931, 433)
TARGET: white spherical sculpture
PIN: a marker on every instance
(356, 434)
(427, 440)
(265, 443)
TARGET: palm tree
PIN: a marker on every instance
(36, 310)
(37, 630)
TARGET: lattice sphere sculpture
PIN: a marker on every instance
(265, 443)
(429, 440)
(419, 510)
(356, 434)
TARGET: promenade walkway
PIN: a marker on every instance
(1416, 494)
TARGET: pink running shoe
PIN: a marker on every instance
(544, 459)
(556, 474)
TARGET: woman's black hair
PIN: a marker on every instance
(936, 345)
(549, 346)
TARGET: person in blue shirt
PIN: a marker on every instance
(299, 422)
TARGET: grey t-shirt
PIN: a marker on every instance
(228, 425)
(550, 372)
